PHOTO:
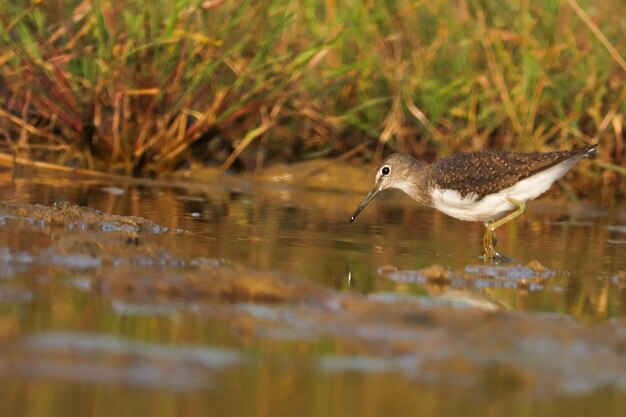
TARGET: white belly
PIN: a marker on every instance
(495, 205)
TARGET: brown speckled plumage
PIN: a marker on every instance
(488, 172)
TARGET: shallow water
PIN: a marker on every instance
(262, 299)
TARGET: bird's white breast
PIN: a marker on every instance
(495, 205)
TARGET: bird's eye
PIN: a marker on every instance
(386, 170)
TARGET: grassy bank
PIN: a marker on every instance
(145, 87)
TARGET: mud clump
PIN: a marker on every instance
(66, 215)
(436, 274)
(70, 236)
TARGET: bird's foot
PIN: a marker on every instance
(489, 243)
(496, 259)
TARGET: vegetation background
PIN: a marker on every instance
(146, 87)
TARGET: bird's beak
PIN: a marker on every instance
(366, 200)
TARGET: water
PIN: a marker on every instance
(264, 300)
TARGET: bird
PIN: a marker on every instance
(490, 186)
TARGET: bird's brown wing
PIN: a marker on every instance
(487, 172)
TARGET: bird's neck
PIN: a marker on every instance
(417, 186)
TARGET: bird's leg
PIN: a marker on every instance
(489, 238)
(489, 242)
(521, 208)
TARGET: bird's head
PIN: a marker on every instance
(395, 171)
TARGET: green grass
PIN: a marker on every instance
(144, 87)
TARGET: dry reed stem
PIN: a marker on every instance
(267, 121)
(598, 34)
(29, 127)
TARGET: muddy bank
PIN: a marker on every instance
(127, 263)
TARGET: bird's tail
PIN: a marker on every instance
(589, 151)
